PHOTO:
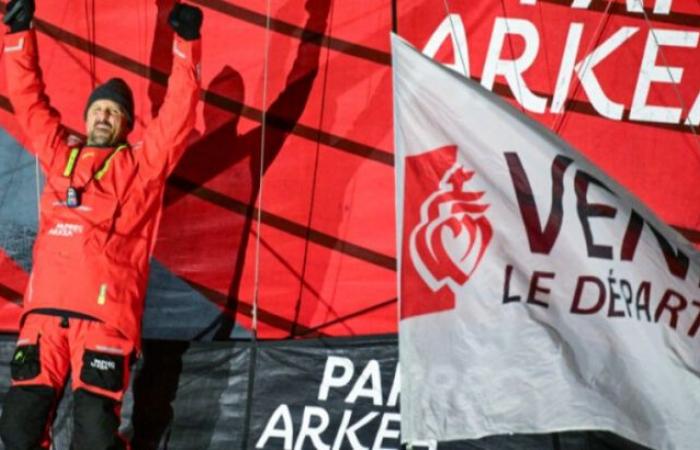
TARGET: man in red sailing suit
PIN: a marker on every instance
(98, 218)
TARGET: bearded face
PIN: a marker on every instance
(106, 124)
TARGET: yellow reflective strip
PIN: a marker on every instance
(102, 296)
(105, 166)
(70, 165)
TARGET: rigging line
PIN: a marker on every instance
(340, 319)
(457, 50)
(90, 19)
(545, 49)
(252, 364)
(559, 117)
(142, 13)
(674, 83)
(263, 119)
(314, 178)
(93, 47)
(512, 54)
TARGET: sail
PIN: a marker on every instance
(302, 227)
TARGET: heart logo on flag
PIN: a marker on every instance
(453, 234)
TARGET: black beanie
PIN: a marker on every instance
(119, 92)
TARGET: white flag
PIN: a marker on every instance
(536, 294)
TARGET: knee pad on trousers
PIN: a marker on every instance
(96, 422)
(25, 416)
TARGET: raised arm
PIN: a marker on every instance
(39, 121)
(166, 136)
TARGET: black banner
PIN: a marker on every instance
(313, 394)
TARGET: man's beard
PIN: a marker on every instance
(102, 138)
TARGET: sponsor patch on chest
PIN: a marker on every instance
(64, 229)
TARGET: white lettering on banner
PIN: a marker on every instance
(694, 114)
(566, 70)
(395, 389)
(271, 431)
(584, 69)
(320, 428)
(601, 97)
(452, 27)
(315, 423)
(66, 229)
(632, 5)
(635, 5)
(330, 380)
(513, 69)
(350, 431)
(385, 432)
(372, 375)
(313, 432)
(650, 72)
(660, 6)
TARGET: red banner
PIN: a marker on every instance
(319, 72)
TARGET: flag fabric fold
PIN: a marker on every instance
(536, 294)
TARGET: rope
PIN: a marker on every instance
(314, 177)
(458, 50)
(256, 277)
(674, 83)
(91, 35)
(510, 44)
(512, 54)
(559, 117)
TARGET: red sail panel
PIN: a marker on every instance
(322, 79)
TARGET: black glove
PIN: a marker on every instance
(186, 20)
(19, 15)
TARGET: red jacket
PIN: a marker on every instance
(94, 259)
